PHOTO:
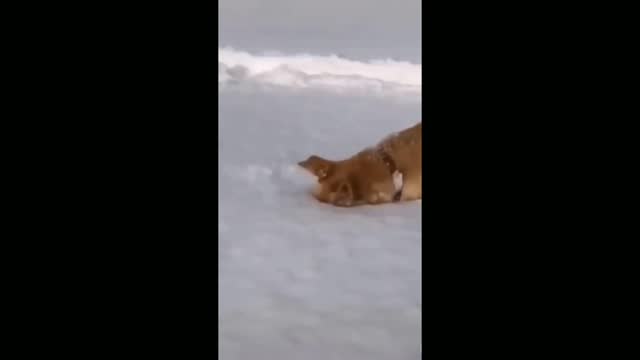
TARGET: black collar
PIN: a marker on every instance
(391, 165)
(388, 160)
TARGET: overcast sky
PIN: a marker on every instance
(358, 29)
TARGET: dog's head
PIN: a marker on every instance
(318, 166)
(349, 182)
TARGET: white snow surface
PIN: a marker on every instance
(299, 279)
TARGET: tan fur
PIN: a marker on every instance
(365, 178)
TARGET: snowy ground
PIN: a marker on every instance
(299, 279)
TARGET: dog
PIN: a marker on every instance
(390, 171)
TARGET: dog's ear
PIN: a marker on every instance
(344, 194)
(318, 166)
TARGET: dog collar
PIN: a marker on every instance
(395, 174)
(388, 160)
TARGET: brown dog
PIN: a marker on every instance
(390, 171)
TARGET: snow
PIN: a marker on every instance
(299, 279)
(387, 77)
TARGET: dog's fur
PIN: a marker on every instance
(368, 176)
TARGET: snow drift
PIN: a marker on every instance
(330, 73)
